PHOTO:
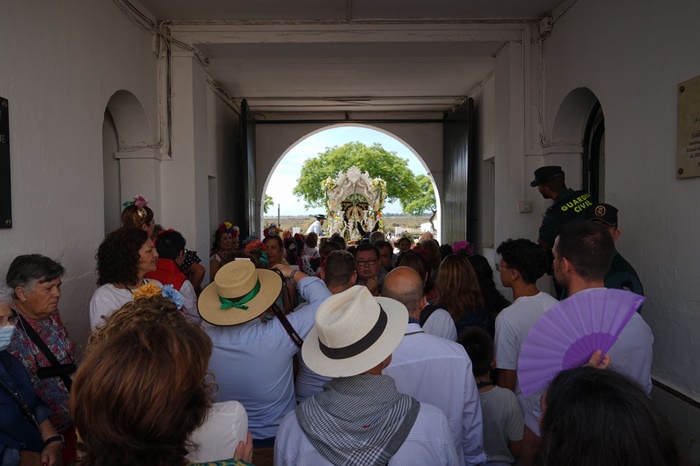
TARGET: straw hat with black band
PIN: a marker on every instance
(239, 294)
(353, 333)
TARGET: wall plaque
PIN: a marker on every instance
(688, 156)
(5, 188)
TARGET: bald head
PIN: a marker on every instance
(406, 286)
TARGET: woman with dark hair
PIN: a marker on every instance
(458, 292)
(142, 388)
(433, 320)
(493, 299)
(311, 246)
(123, 259)
(593, 417)
(226, 239)
(40, 340)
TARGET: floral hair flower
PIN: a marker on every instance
(152, 289)
(173, 295)
(466, 245)
(259, 249)
(139, 201)
(226, 227)
(271, 231)
(255, 246)
(147, 290)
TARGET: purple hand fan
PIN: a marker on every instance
(567, 335)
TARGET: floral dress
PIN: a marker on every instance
(51, 390)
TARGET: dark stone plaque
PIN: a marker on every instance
(5, 187)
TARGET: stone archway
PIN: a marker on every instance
(418, 139)
(129, 154)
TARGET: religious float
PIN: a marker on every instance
(354, 203)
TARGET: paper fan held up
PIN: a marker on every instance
(567, 335)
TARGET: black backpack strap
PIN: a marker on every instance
(56, 369)
(23, 407)
(427, 312)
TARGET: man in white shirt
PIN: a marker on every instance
(521, 264)
(360, 418)
(316, 227)
(435, 370)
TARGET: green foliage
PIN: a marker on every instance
(425, 200)
(269, 202)
(375, 160)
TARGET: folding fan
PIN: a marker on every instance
(567, 335)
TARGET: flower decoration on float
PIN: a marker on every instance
(152, 289)
(463, 245)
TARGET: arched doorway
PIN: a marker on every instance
(307, 144)
(580, 124)
(128, 156)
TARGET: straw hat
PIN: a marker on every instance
(353, 333)
(236, 283)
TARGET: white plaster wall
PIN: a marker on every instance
(61, 63)
(513, 168)
(273, 141)
(632, 55)
(197, 187)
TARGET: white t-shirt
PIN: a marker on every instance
(503, 422)
(107, 299)
(512, 326)
(441, 324)
(226, 424)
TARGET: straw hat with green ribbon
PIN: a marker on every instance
(239, 294)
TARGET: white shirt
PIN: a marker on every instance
(437, 371)
(428, 443)
(441, 324)
(216, 439)
(503, 422)
(512, 326)
(107, 299)
(189, 308)
(316, 228)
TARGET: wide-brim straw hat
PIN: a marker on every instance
(236, 283)
(353, 333)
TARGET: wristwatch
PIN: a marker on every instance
(55, 438)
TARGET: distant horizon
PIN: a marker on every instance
(284, 177)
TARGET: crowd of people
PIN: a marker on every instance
(307, 350)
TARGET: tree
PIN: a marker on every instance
(378, 162)
(269, 202)
(424, 201)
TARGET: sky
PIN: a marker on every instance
(286, 174)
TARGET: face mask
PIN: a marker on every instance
(6, 336)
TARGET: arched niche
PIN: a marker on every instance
(130, 156)
(400, 132)
(578, 135)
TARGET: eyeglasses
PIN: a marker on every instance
(500, 266)
(12, 320)
(368, 263)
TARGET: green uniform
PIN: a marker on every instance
(569, 205)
